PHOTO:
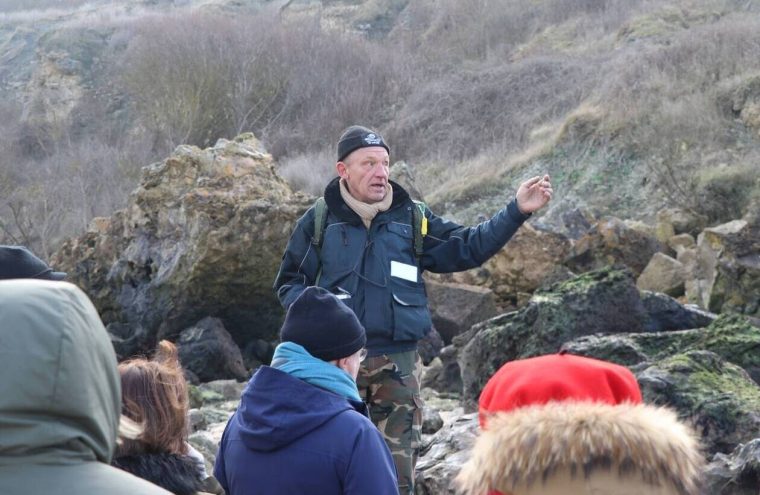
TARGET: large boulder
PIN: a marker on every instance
(719, 398)
(604, 301)
(202, 235)
(612, 241)
(457, 307)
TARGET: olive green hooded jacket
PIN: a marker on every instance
(60, 395)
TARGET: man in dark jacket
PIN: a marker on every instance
(367, 256)
(301, 426)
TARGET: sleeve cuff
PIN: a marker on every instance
(515, 213)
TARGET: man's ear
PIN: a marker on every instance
(342, 363)
(342, 169)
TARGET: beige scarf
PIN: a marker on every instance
(366, 211)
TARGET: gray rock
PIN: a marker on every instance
(442, 458)
(665, 313)
(431, 420)
(207, 350)
(226, 390)
(443, 374)
(577, 222)
(737, 473)
(681, 241)
(457, 307)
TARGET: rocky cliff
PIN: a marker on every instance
(202, 236)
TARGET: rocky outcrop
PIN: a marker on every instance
(202, 235)
(605, 301)
(732, 337)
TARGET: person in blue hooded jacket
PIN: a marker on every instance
(301, 426)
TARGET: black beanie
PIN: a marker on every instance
(19, 262)
(324, 326)
(356, 137)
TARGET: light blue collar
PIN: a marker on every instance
(296, 361)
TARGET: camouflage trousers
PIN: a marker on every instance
(390, 385)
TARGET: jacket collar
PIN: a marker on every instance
(340, 209)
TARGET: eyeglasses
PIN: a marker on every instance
(362, 354)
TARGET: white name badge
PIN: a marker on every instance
(402, 270)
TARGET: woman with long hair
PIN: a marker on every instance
(154, 395)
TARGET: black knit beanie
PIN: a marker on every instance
(19, 262)
(356, 137)
(320, 323)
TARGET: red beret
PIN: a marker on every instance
(557, 377)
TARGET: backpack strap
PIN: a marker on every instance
(320, 222)
(419, 227)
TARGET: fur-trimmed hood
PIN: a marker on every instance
(584, 448)
(180, 474)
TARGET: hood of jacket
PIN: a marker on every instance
(583, 447)
(277, 409)
(180, 474)
(60, 395)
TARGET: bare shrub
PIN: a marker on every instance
(333, 81)
(196, 78)
(309, 172)
(492, 29)
(460, 115)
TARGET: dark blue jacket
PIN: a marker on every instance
(356, 262)
(289, 437)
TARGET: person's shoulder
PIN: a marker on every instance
(358, 421)
(87, 478)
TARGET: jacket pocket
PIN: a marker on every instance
(411, 317)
